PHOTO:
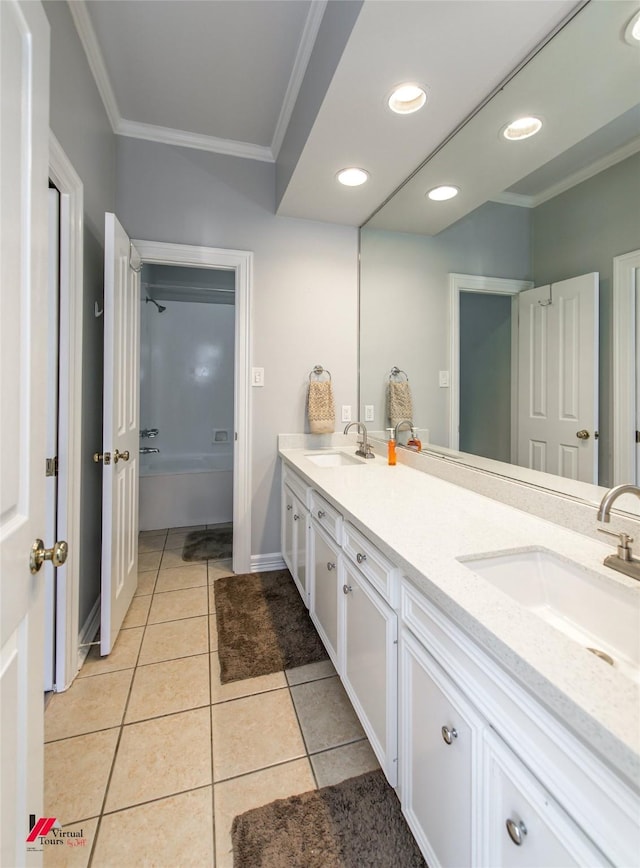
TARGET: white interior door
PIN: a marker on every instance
(24, 125)
(121, 430)
(558, 378)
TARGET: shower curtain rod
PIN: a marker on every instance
(184, 286)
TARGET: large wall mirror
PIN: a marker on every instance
(498, 304)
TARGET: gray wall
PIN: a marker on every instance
(405, 302)
(305, 285)
(581, 231)
(80, 124)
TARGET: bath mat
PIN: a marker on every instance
(263, 626)
(208, 545)
(348, 825)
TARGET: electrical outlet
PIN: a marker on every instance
(257, 376)
(346, 412)
(443, 379)
(368, 413)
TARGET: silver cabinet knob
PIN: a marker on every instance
(289, 507)
(346, 589)
(330, 566)
(582, 435)
(449, 734)
(321, 513)
(296, 517)
(57, 554)
(517, 830)
(360, 557)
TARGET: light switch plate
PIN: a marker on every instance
(368, 413)
(257, 376)
(443, 379)
(346, 412)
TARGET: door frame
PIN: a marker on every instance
(240, 261)
(489, 286)
(624, 366)
(67, 628)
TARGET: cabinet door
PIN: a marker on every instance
(439, 739)
(369, 664)
(523, 826)
(287, 528)
(325, 561)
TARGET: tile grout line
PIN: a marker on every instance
(213, 792)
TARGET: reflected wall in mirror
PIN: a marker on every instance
(567, 207)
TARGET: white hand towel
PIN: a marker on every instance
(399, 403)
(320, 408)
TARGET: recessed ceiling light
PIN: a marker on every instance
(441, 194)
(632, 31)
(407, 98)
(522, 128)
(352, 177)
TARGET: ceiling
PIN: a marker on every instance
(228, 76)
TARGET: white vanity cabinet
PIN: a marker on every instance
(294, 532)
(325, 563)
(439, 737)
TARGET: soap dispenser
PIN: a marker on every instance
(391, 448)
(413, 442)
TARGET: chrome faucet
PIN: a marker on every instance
(148, 450)
(623, 561)
(408, 422)
(363, 450)
(149, 432)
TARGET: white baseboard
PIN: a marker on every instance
(88, 633)
(262, 563)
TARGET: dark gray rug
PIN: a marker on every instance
(354, 824)
(263, 626)
(208, 545)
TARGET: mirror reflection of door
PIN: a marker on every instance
(558, 378)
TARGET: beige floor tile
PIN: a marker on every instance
(326, 716)
(184, 576)
(219, 570)
(174, 639)
(177, 831)
(146, 583)
(212, 599)
(310, 672)
(253, 733)
(137, 613)
(88, 705)
(164, 688)
(213, 633)
(76, 851)
(147, 533)
(333, 766)
(161, 757)
(187, 528)
(172, 558)
(123, 655)
(252, 791)
(173, 605)
(151, 543)
(245, 687)
(149, 561)
(76, 771)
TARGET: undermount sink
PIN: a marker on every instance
(333, 459)
(602, 616)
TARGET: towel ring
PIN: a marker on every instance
(318, 371)
(395, 372)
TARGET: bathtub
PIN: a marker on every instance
(181, 490)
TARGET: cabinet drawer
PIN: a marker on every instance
(326, 515)
(299, 488)
(382, 574)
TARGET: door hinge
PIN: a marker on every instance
(637, 436)
(51, 466)
(596, 435)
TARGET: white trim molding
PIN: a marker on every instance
(624, 366)
(71, 192)
(183, 139)
(272, 561)
(490, 285)
(240, 261)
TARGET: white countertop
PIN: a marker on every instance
(424, 524)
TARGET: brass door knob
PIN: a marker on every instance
(120, 455)
(582, 435)
(102, 456)
(57, 554)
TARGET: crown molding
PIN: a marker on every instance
(303, 56)
(513, 199)
(84, 27)
(169, 136)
